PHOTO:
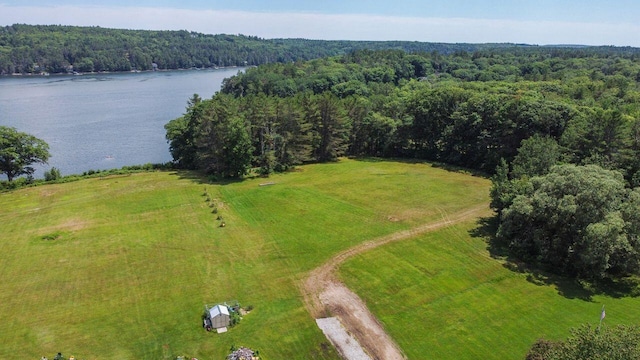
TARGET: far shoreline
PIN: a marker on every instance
(45, 74)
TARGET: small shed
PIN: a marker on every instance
(219, 316)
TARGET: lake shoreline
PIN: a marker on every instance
(103, 121)
(46, 74)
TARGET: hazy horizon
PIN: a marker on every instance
(543, 22)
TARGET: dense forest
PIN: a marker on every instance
(466, 109)
(558, 128)
(32, 49)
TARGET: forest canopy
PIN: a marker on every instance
(559, 129)
(466, 109)
(33, 49)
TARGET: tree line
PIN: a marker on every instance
(396, 104)
(559, 131)
(30, 49)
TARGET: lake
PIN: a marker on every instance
(103, 121)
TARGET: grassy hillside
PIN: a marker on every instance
(120, 267)
(441, 296)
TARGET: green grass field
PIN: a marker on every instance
(120, 267)
(441, 296)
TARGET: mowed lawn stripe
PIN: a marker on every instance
(132, 281)
(313, 213)
(441, 296)
(120, 267)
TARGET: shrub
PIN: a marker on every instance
(15, 184)
(586, 342)
(52, 175)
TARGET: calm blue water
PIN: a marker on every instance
(103, 121)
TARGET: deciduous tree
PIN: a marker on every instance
(576, 220)
(18, 151)
(587, 342)
(536, 156)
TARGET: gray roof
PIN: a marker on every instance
(218, 310)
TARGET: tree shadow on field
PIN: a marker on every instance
(459, 169)
(201, 178)
(568, 287)
(435, 164)
(190, 175)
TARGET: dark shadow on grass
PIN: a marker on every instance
(486, 229)
(370, 159)
(619, 288)
(568, 287)
(201, 178)
(194, 176)
(459, 169)
(435, 164)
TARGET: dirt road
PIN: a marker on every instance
(325, 296)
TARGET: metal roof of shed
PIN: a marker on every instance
(218, 310)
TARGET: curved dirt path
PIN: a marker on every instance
(325, 296)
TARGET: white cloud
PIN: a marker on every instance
(328, 26)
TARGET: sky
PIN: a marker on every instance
(540, 22)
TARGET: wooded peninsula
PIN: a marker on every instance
(34, 49)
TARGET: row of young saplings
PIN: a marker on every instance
(213, 204)
(242, 352)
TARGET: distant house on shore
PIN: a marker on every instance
(218, 316)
